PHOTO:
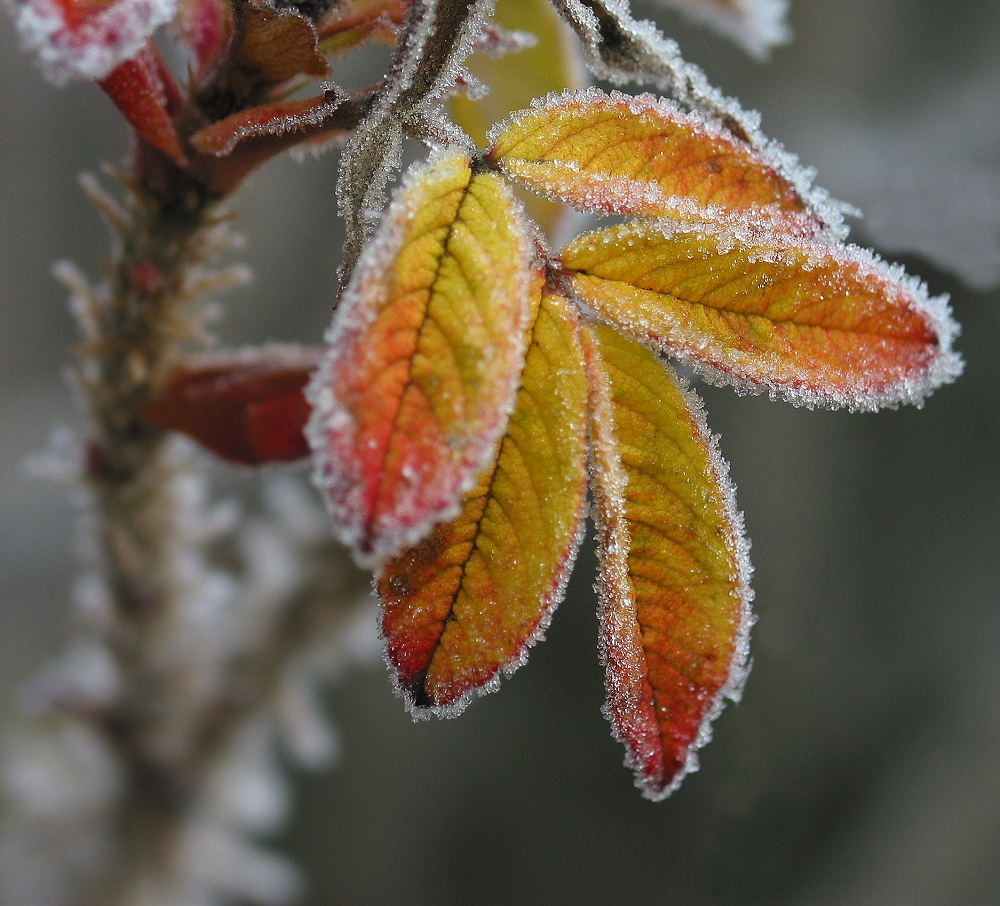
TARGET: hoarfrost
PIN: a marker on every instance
(90, 49)
(739, 549)
(437, 38)
(621, 50)
(333, 430)
(858, 387)
(245, 126)
(497, 42)
(620, 648)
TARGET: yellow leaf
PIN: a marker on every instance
(618, 154)
(673, 580)
(424, 356)
(464, 605)
(816, 323)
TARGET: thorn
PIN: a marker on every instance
(114, 215)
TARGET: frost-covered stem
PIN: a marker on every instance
(437, 37)
(134, 325)
(195, 629)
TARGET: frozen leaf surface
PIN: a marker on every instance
(424, 357)
(462, 606)
(221, 138)
(815, 323)
(617, 154)
(673, 571)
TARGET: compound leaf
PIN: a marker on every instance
(464, 605)
(673, 570)
(424, 357)
(815, 323)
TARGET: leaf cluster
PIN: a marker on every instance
(476, 381)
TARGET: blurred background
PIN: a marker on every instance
(863, 766)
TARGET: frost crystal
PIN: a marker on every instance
(70, 42)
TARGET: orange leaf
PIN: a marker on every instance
(815, 323)
(618, 154)
(247, 408)
(424, 358)
(465, 604)
(673, 568)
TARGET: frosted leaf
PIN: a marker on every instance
(816, 324)
(673, 566)
(616, 153)
(463, 607)
(288, 117)
(757, 25)
(401, 426)
(621, 49)
(76, 40)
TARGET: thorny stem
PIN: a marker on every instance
(137, 324)
(165, 738)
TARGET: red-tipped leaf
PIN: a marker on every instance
(673, 570)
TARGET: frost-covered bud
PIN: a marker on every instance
(75, 39)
